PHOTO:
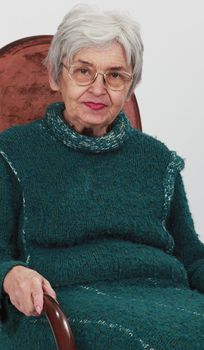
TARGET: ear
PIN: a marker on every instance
(53, 84)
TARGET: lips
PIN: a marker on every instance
(95, 106)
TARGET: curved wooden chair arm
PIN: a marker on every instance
(59, 324)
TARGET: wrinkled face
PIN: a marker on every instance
(95, 105)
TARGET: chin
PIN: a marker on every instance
(96, 120)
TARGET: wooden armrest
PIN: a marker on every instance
(59, 324)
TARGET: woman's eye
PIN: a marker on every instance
(84, 71)
(115, 75)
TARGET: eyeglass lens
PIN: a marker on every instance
(84, 75)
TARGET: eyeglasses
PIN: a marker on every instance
(84, 75)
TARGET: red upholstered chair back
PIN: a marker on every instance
(24, 87)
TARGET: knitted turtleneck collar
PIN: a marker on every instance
(55, 122)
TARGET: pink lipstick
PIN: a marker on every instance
(95, 106)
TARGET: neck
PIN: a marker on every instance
(88, 131)
(91, 131)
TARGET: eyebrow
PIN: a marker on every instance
(92, 65)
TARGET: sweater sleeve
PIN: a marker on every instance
(188, 248)
(11, 206)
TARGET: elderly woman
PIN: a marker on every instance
(94, 212)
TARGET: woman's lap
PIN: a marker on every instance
(131, 316)
(125, 315)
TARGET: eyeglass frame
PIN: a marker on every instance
(95, 77)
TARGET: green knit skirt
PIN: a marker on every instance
(130, 314)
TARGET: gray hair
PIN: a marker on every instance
(88, 26)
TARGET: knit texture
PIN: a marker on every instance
(106, 221)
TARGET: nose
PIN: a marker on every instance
(98, 86)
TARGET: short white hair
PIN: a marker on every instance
(87, 26)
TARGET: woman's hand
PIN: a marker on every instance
(25, 288)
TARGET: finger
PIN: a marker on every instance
(48, 289)
(37, 294)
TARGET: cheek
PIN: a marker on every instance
(70, 92)
(74, 95)
(118, 100)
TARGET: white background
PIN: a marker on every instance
(171, 94)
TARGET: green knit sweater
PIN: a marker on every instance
(106, 221)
